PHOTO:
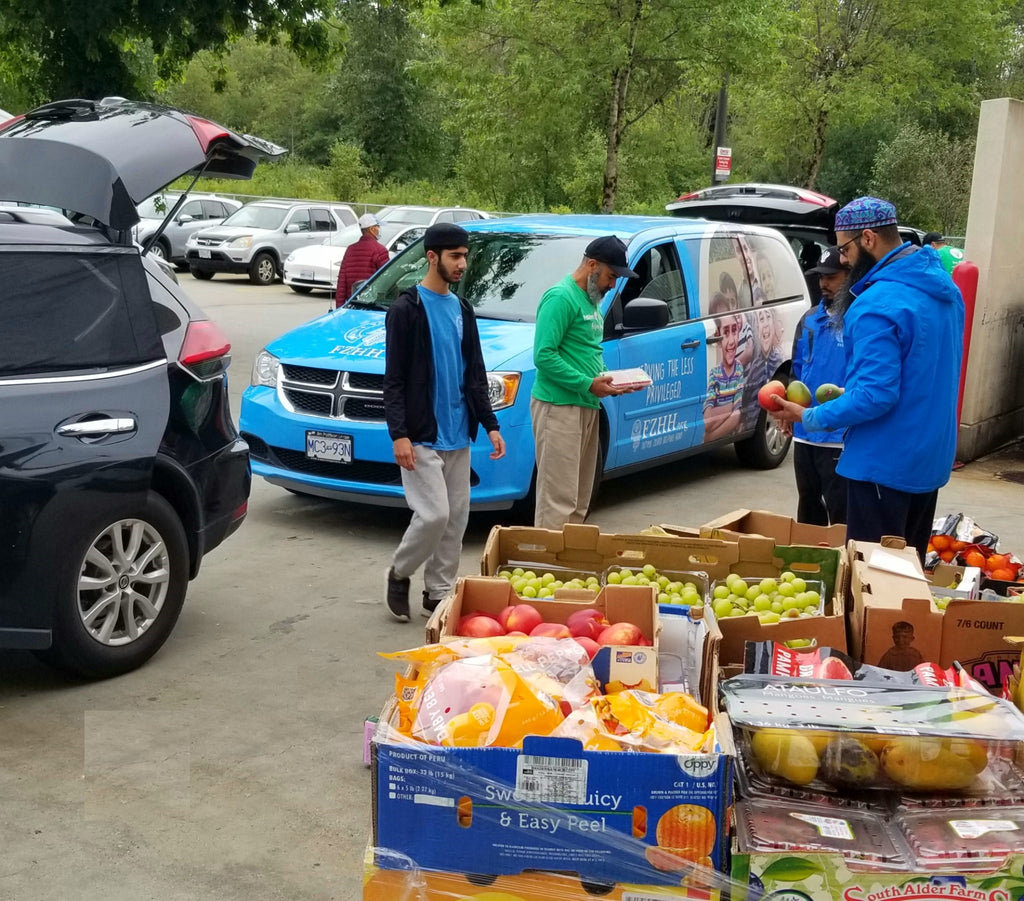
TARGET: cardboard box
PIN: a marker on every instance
(781, 529)
(967, 580)
(969, 632)
(628, 666)
(403, 881)
(585, 546)
(547, 806)
(827, 877)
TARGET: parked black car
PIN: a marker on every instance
(120, 464)
(807, 218)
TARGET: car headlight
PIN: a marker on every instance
(192, 240)
(290, 258)
(502, 388)
(264, 370)
(241, 242)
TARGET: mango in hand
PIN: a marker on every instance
(798, 393)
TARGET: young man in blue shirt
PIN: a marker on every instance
(435, 397)
(903, 326)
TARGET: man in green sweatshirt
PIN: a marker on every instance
(567, 392)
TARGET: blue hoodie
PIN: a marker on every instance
(818, 357)
(904, 341)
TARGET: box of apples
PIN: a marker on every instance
(618, 626)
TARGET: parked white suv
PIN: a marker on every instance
(259, 236)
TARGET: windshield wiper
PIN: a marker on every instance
(366, 305)
(500, 317)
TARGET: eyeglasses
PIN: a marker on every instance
(842, 247)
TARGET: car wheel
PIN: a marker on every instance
(201, 274)
(120, 589)
(263, 269)
(301, 289)
(160, 249)
(767, 447)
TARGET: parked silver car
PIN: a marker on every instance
(197, 212)
(257, 238)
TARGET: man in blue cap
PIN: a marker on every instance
(903, 325)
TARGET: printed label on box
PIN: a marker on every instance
(828, 827)
(551, 780)
(978, 828)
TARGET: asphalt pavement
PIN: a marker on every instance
(230, 766)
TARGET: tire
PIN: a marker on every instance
(160, 249)
(766, 448)
(263, 269)
(201, 274)
(301, 289)
(92, 581)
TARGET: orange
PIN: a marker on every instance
(959, 545)
(947, 556)
(975, 558)
(941, 542)
(998, 561)
(1003, 575)
(687, 830)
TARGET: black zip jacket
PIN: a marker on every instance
(409, 372)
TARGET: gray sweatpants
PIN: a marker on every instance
(437, 491)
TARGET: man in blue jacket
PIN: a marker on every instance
(903, 335)
(819, 358)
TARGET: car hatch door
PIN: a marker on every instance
(85, 400)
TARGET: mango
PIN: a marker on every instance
(798, 393)
(785, 753)
(926, 764)
(827, 392)
(848, 763)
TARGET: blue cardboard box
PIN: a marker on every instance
(548, 806)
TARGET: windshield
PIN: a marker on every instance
(505, 278)
(157, 206)
(404, 215)
(255, 216)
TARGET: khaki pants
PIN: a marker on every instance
(567, 442)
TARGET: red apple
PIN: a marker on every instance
(620, 633)
(769, 391)
(522, 618)
(588, 645)
(480, 625)
(589, 623)
(550, 630)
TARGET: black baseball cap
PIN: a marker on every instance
(829, 264)
(445, 236)
(612, 252)
(931, 236)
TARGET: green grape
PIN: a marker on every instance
(768, 586)
(787, 576)
(777, 607)
(722, 608)
(721, 591)
(614, 578)
(762, 602)
(739, 586)
(545, 592)
(768, 617)
(649, 570)
(787, 589)
(799, 585)
(529, 592)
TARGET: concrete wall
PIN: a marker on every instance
(993, 408)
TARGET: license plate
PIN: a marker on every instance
(332, 448)
(306, 274)
(204, 254)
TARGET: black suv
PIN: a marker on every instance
(805, 217)
(120, 464)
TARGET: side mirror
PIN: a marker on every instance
(644, 314)
(185, 217)
(356, 286)
(291, 228)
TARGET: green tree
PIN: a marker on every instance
(531, 82)
(116, 46)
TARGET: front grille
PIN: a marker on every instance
(257, 446)
(333, 394)
(356, 471)
(364, 409)
(309, 375)
(310, 402)
(366, 381)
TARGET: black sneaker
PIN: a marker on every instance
(429, 603)
(398, 597)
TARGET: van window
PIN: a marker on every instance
(62, 312)
(727, 272)
(774, 273)
(661, 278)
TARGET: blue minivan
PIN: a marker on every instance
(710, 320)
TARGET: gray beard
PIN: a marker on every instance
(593, 291)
